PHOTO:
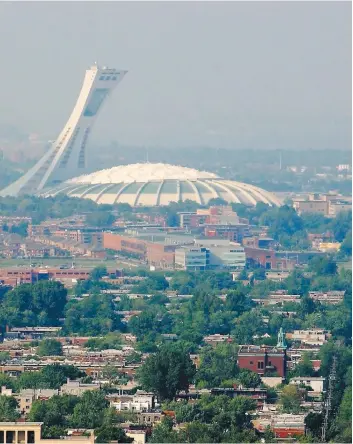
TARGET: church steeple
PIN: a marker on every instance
(281, 341)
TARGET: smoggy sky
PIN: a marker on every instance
(233, 75)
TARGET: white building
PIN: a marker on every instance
(316, 383)
(77, 388)
(313, 337)
(191, 258)
(223, 253)
(140, 402)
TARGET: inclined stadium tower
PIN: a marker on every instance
(66, 157)
(61, 170)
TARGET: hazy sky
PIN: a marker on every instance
(236, 75)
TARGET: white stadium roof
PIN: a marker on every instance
(155, 184)
(145, 171)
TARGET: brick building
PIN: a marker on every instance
(263, 359)
(154, 253)
(267, 259)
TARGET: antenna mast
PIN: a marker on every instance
(328, 400)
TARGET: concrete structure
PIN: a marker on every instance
(77, 388)
(314, 337)
(148, 184)
(312, 205)
(191, 258)
(316, 383)
(26, 397)
(67, 155)
(20, 275)
(138, 436)
(210, 254)
(257, 394)
(268, 259)
(327, 297)
(31, 433)
(285, 426)
(223, 253)
(338, 207)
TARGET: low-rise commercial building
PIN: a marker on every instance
(316, 383)
(31, 433)
(77, 388)
(314, 337)
(327, 297)
(191, 258)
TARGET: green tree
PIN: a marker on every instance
(54, 413)
(50, 347)
(269, 436)
(282, 221)
(343, 422)
(167, 372)
(313, 422)
(346, 246)
(94, 315)
(248, 325)
(89, 411)
(4, 356)
(290, 399)
(323, 265)
(98, 272)
(341, 224)
(112, 340)
(238, 301)
(41, 303)
(107, 433)
(217, 365)
(304, 367)
(164, 433)
(248, 379)
(259, 274)
(100, 219)
(8, 410)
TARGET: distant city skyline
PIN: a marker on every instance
(230, 75)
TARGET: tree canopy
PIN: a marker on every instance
(167, 372)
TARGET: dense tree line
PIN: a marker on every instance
(39, 304)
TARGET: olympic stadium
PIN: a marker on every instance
(158, 184)
(62, 168)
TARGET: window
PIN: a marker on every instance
(269, 363)
(101, 78)
(107, 78)
(30, 437)
(251, 362)
(10, 436)
(260, 365)
(114, 78)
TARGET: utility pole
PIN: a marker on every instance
(328, 400)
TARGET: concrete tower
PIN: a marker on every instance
(66, 157)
